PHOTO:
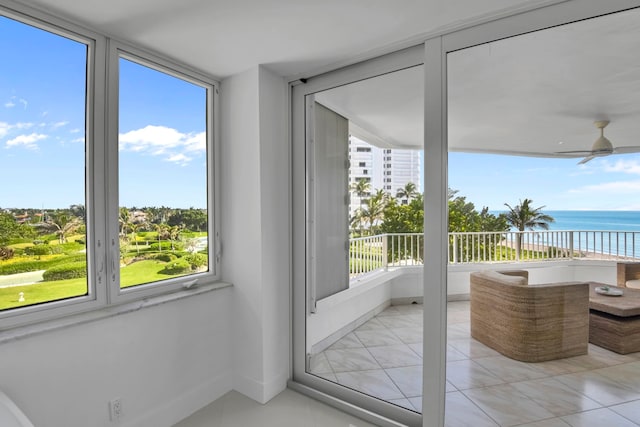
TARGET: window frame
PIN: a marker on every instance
(101, 145)
(118, 50)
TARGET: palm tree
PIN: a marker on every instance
(523, 217)
(374, 209)
(360, 188)
(62, 225)
(409, 191)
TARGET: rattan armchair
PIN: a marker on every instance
(628, 275)
(530, 323)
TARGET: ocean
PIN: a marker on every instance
(593, 220)
(626, 244)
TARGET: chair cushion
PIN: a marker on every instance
(635, 284)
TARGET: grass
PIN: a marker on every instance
(42, 292)
(134, 274)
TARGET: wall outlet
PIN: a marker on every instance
(115, 409)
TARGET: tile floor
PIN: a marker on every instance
(383, 358)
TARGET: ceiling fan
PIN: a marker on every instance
(602, 147)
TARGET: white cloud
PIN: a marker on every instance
(78, 140)
(10, 104)
(618, 187)
(22, 125)
(27, 141)
(59, 124)
(4, 129)
(623, 166)
(23, 102)
(179, 159)
(197, 142)
(162, 140)
(76, 130)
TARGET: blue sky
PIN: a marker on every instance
(42, 127)
(606, 183)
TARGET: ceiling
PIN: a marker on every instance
(293, 37)
(536, 94)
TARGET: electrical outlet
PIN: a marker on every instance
(115, 409)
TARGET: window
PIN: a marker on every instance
(156, 161)
(363, 149)
(164, 220)
(362, 164)
(365, 172)
(43, 219)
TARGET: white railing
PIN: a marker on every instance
(367, 254)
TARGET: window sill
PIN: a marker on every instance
(106, 312)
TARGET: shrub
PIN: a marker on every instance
(39, 250)
(71, 270)
(165, 256)
(80, 241)
(179, 266)
(6, 253)
(196, 260)
(166, 246)
(17, 266)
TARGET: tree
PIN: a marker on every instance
(409, 191)
(523, 217)
(61, 224)
(190, 219)
(373, 212)
(10, 229)
(124, 218)
(404, 218)
(361, 188)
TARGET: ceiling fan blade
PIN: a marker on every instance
(586, 159)
(576, 152)
(626, 150)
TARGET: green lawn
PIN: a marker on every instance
(134, 274)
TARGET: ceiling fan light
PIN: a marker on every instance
(602, 144)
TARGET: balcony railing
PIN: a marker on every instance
(367, 254)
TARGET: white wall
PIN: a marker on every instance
(539, 272)
(256, 255)
(164, 362)
(341, 313)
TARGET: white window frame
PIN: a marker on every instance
(119, 50)
(101, 151)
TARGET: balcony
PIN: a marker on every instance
(369, 337)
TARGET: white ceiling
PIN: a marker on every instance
(535, 94)
(224, 37)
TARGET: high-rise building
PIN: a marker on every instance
(386, 169)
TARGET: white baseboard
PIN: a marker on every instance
(167, 414)
(260, 391)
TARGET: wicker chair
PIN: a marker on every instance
(530, 323)
(628, 275)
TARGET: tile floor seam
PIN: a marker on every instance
(480, 408)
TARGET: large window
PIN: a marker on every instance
(107, 194)
(43, 83)
(162, 175)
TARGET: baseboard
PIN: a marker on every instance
(459, 297)
(323, 344)
(407, 300)
(170, 413)
(260, 391)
